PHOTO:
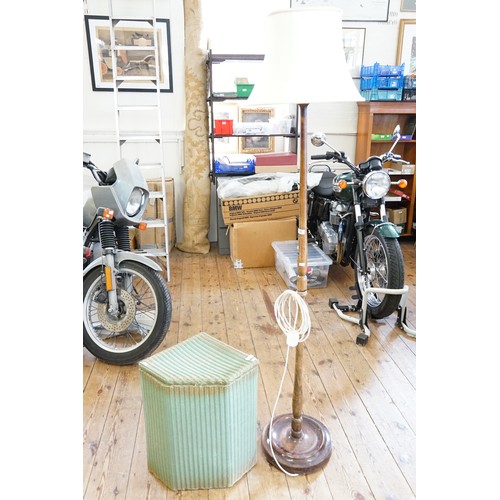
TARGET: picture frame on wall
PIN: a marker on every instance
(354, 49)
(408, 6)
(368, 10)
(136, 59)
(257, 123)
(407, 46)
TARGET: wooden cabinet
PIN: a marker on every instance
(377, 118)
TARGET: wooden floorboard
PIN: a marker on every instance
(365, 395)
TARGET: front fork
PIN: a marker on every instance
(107, 237)
(359, 226)
(109, 274)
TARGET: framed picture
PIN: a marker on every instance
(369, 10)
(408, 6)
(407, 46)
(257, 119)
(136, 59)
(354, 48)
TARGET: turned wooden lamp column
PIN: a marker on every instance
(304, 63)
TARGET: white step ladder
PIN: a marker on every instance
(130, 35)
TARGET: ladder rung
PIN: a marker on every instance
(151, 165)
(143, 20)
(139, 137)
(155, 222)
(134, 47)
(152, 252)
(136, 78)
(137, 107)
(155, 194)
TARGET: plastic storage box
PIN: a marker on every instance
(318, 264)
(244, 89)
(200, 411)
(223, 127)
(236, 164)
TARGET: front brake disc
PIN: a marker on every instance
(124, 319)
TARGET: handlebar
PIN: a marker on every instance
(393, 158)
(98, 175)
(328, 156)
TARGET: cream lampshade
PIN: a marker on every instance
(304, 59)
(304, 63)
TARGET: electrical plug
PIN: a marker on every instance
(292, 339)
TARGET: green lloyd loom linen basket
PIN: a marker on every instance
(200, 409)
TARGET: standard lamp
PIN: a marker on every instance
(304, 63)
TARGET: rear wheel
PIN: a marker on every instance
(145, 312)
(385, 269)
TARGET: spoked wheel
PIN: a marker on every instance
(385, 267)
(141, 323)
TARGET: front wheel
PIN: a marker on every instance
(385, 269)
(143, 319)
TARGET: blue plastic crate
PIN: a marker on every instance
(391, 70)
(368, 82)
(235, 164)
(390, 82)
(382, 94)
(368, 70)
(382, 70)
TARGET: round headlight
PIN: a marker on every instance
(376, 184)
(135, 202)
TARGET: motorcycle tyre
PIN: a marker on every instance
(395, 278)
(158, 332)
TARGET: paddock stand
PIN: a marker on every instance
(362, 309)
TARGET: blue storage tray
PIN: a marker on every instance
(382, 70)
(242, 167)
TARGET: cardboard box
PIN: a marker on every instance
(251, 242)
(271, 169)
(397, 216)
(260, 207)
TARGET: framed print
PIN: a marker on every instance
(354, 48)
(408, 6)
(407, 46)
(369, 10)
(136, 59)
(255, 120)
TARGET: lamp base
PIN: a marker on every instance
(302, 455)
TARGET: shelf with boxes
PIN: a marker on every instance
(376, 122)
(244, 139)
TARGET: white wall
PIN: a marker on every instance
(230, 27)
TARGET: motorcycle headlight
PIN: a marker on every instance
(135, 202)
(376, 184)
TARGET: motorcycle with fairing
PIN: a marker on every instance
(127, 307)
(347, 218)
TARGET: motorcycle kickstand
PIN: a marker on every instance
(362, 338)
(401, 321)
(362, 309)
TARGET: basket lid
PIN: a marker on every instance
(200, 360)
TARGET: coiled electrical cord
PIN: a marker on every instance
(292, 314)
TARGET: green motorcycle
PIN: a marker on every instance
(341, 211)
